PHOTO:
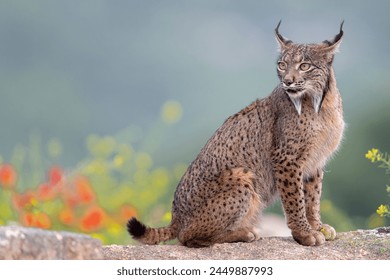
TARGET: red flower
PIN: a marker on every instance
(84, 190)
(7, 176)
(66, 216)
(24, 200)
(46, 192)
(93, 219)
(28, 219)
(78, 192)
(56, 175)
(40, 220)
(126, 212)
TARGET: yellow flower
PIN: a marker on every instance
(114, 229)
(171, 112)
(373, 155)
(167, 217)
(382, 210)
(118, 161)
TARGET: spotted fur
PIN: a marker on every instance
(275, 147)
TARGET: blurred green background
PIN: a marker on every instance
(72, 69)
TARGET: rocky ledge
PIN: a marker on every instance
(18, 243)
(354, 245)
(29, 243)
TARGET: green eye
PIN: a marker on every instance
(305, 66)
(282, 66)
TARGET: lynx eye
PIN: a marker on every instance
(305, 66)
(282, 66)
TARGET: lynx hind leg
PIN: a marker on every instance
(229, 216)
(226, 236)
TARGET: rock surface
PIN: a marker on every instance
(354, 245)
(30, 243)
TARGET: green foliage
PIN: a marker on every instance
(375, 156)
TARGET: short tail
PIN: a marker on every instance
(148, 235)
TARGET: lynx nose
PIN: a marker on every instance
(288, 82)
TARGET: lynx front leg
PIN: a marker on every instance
(312, 191)
(289, 181)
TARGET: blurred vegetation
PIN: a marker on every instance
(98, 196)
(375, 156)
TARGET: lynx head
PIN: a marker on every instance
(305, 69)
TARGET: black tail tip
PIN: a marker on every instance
(135, 228)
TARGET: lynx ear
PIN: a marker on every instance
(282, 41)
(332, 46)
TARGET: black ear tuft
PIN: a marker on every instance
(135, 228)
(337, 38)
(283, 42)
(332, 46)
(340, 35)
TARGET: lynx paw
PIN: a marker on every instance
(254, 234)
(311, 238)
(328, 231)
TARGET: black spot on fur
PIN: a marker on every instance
(135, 228)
